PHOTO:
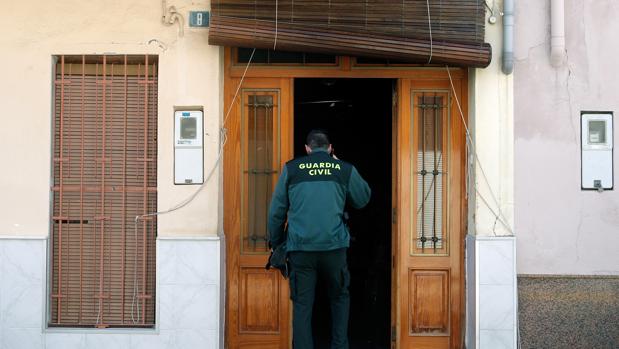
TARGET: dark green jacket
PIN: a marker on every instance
(311, 193)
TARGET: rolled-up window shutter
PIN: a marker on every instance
(420, 31)
(104, 175)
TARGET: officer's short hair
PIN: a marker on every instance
(317, 139)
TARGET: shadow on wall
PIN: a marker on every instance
(569, 312)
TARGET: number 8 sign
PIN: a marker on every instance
(199, 19)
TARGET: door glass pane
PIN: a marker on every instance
(262, 56)
(261, 161)
(430, 174)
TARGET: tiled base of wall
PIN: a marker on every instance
(569, 311)
(188, 303)
(491, 292)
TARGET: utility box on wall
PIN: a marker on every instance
(188, 147)
(597, 150)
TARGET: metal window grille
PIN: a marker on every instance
(104, 175)
(431, 173)
(261, 159)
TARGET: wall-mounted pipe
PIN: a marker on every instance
(557, 32)
(508, 37)
(171, 15)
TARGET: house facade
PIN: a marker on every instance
(139, 161)
(567, 230)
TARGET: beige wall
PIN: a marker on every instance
(562, 229)
(492, 128)
(189, 74)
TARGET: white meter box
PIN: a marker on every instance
(597, 150)
(188, 147)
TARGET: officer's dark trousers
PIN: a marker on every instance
(331, 267)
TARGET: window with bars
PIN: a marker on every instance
(431, 173)
(261, 159)
(104, 175)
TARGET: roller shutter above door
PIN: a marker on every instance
(435, 32)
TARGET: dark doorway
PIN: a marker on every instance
(357, 113)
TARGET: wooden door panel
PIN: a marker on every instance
(430, 206)
(259, 309)
(248, 343)
(427, 343)
(429, 301)
(259, 135)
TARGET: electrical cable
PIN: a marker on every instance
(430, 28)
(276, 21)
(224, 138)
(223, 125)
(500, 214)
(496, 215)
(223, 134)
(488, 7)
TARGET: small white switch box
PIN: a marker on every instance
(188, 147)
(597, 150)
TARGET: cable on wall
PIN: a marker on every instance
(171, 15)
(430, 29)
(223, 140)
(499, 216)
(276, 21)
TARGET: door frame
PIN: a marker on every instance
(346, 67)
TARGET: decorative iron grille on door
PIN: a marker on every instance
(104, 175)
(430, 147)
(260, 143)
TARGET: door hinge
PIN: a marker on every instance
(393, 334)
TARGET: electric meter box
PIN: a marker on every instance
(597, 150)
(188, 147)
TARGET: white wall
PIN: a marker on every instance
(189, 74)
(490, 257)
(561, 229)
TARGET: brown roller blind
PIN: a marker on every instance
(447, 31)
(104, 175)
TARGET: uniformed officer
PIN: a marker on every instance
(311, 194)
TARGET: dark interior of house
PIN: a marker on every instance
(357, 114)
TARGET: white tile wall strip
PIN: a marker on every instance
(496, 295)
(22, 289)
(194, 280)
(496, 339)
(496, 310)
(222, 291)
(471, 293)
(496, 263)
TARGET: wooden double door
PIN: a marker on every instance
(428, 207)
